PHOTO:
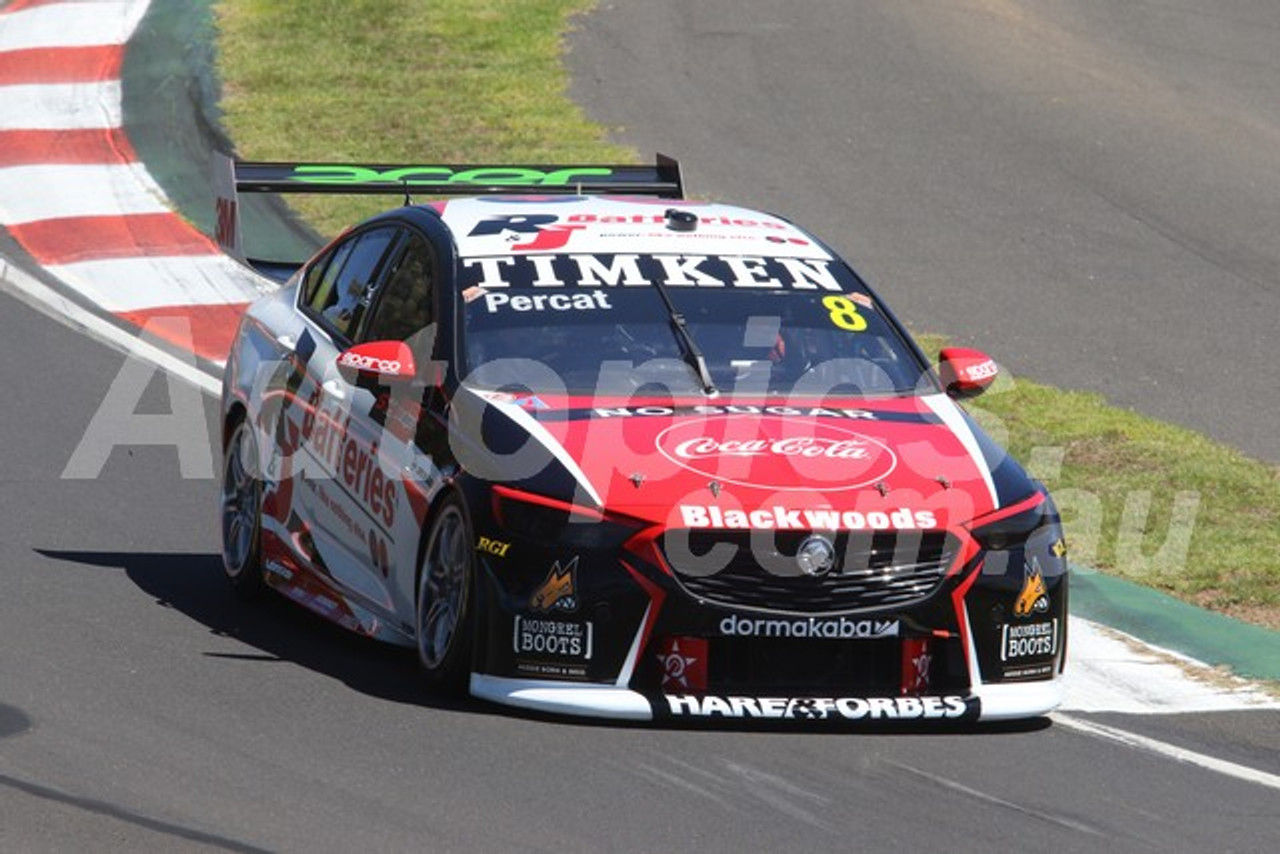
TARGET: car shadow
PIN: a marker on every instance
(194, 585)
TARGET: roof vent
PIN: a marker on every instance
(678, 220)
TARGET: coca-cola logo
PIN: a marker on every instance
(796, 446)
(777, 453)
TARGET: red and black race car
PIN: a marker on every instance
(598, 449)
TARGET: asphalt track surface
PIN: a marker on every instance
(1087, 189)
(142, 708)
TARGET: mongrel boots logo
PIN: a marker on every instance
(778, 454)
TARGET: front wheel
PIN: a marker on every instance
(241, 502)
(444, 607)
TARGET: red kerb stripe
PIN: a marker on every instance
(70, 239)
(213, 327)
(62, 147)
(61, 64)
(19, 5)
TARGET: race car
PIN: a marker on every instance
(596, 448)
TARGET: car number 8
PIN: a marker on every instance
(844, 313)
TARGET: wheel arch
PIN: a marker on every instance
(236, 413)
(451, 489)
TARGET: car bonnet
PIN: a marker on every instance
(895, 464)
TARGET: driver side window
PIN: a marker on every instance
(337, 299)
(404, 305)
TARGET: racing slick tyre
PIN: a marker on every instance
(444, 606)
(241, 501)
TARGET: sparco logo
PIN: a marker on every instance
(835, 629)
(778, 454)
(363, 362)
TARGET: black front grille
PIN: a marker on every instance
(815, 667)
(807, 667)
(759, 569)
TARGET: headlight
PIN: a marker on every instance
(1011, 532)
(1034, 534)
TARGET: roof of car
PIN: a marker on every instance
(508, 225)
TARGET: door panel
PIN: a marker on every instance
(342, 484)
(404, 310)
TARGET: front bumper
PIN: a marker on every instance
(618, 636)
(983, 703)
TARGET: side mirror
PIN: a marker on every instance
(383, 361)
(966, 373)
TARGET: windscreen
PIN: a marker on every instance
(596, 324)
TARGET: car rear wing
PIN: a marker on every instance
(662, 179)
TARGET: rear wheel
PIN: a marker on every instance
(444, 607)
(241, 501)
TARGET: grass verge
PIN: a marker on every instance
(475, 81)
(1151, 502)
(401, 81)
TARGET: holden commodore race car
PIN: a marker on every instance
(595, 448)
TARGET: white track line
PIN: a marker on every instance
(1171, 751)
(48, 302)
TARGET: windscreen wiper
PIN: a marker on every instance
(688, 347)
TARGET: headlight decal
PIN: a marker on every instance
(641, 641)
(1018, 608)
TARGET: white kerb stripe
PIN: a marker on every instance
(1110, 671)
(52, 304)
(30, 193)
(71, 25)
(61, 106)
(134, 284)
